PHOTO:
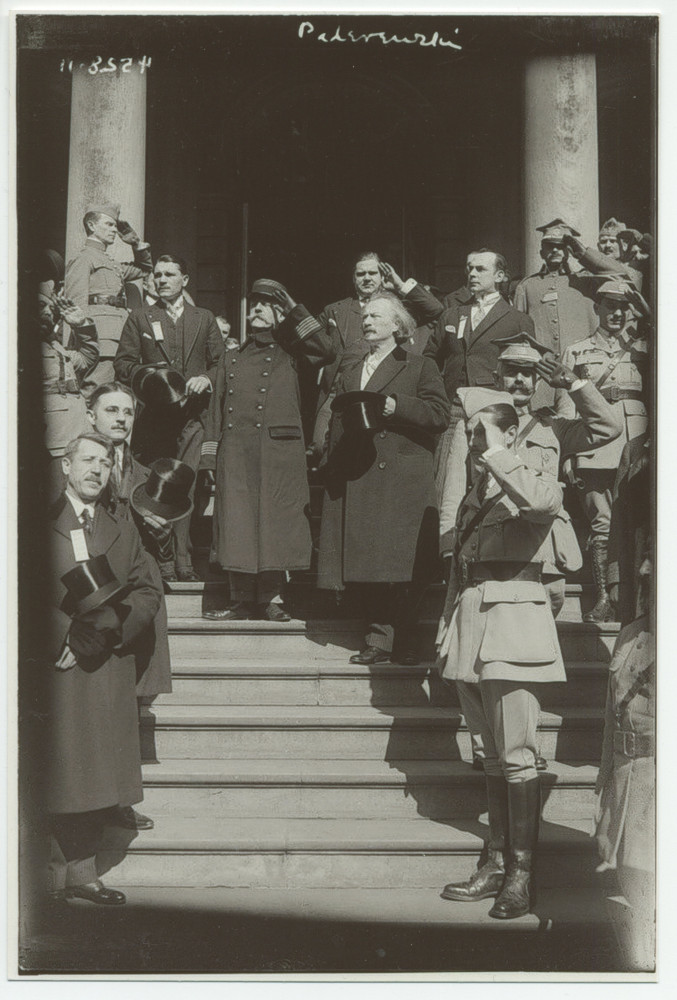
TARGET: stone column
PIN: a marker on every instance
(107, 150)
(560, 148)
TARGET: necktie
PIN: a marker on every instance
(86, 521)
(116, 474)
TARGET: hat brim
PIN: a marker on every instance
(143, 504)
(356, 396)
(101, 596)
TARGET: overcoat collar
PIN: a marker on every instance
(390, 368)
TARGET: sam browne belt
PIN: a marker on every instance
(119, 301)
(634, 745)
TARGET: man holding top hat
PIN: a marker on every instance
(254, 441)
(618, 366)
(103, 598)
(169, 353)
(498, 640)
(379, 515)
(95, 281)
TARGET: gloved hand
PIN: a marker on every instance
(552, 371)
(127, 234)
(85, 641)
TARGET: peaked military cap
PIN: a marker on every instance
(613, 227)
(266, 288)
(476, 398)
(520, 347)
(109, 209)
(615, 289)
(556, 230)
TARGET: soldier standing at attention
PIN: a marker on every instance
(96, 283)
(498, 640)
(618, 366)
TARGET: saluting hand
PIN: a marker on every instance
(127, 234)
(552, 371)
(72, 314)
(391, 279)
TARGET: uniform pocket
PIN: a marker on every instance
(285, 433)
(519, 627)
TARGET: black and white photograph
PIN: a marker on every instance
(336, 536)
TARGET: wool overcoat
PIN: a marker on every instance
(379, 515)
(92, 752)
(254, 438)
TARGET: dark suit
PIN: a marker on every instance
(92, 757)
(193, 347)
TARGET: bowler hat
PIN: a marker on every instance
(360, 410)
(158, 385)
(166, 491)
(90, 584)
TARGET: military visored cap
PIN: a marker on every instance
(476, 398)
(266, 288)
(522, 348)
(614, 290)
(556, 230)
(105, 208)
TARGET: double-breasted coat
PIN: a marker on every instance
(94, 279)
(379, 514)
(153, 663)
(468, 356)
(503, 629)
(92, 756)
(254, 439)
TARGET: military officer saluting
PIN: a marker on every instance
(95, 282)
(498, 640)
(544, 438)
(618, 366)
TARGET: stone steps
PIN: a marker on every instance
(263, 681)
(338, 639)
(272, 732)
(360, 789)
(279, 853)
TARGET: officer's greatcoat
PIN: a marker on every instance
(503, 629)
(379, 515)
(92, 752)
(253, 434)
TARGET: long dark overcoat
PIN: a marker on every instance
(379, 515)
(153, 663)
(254, 433)
(92, 748)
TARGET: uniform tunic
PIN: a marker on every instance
(254, 433)
(95, 273)
(64, 407)
(92, 747)
(561, 313)
(504, 630)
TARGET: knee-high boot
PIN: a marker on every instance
(488, 879)
(519, 891)
(602, 610)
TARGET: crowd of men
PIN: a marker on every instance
(447, 432)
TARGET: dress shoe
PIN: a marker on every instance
(237, 613)
(187, 574)
(273, 612)
(168, 572)
(371, 655)
(130, 819)
(541, 763)
(406, 658)
(96, 892)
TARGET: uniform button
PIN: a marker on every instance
(233, 360)
(264, 374)
(257, 425)
(382, 434)
(231, 374)
(231, 391)
(381, 465)
(259, 406)
(267, 359)
(262, 390)
(230, 409)
(230, 426)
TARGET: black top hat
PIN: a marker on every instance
(90, 584)
(165, 492)
(360, 410)
(158, 385)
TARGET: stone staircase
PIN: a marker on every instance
(281, 766)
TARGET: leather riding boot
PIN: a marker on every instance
(602, 611)
(519, 892)
(488, 879)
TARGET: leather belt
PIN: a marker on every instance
(633, 745)
(613, 393)
(119, 301)
(67, 388)
(472, 573)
